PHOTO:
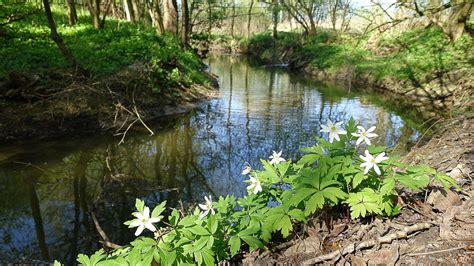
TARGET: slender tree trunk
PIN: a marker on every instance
(94, 9)
(155, 13)
(56, 38)
(136, 9)
(71, 11)
(232, 23)
(128, 8)
(275, 11)
(185, 31)
(170, 16)
(249, 18)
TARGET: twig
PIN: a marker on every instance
(437, 251)
(370, 243)
(103, 235)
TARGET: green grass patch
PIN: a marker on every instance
(27, 46)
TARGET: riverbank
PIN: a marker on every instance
(432, 228)
(133, 76)
(421, 66)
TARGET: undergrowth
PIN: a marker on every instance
(27, 46)
(344, 173)
(414, 55)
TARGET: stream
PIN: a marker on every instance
(49, 189)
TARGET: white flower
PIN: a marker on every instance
(206, 207)
(364, 135)
(143, 221)
(334, 130)
(276, 158)
(371, 161)
(247, 170)
(255, 185)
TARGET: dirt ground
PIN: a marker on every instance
(435, 228)
(58, 103)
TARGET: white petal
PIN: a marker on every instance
(338, 123)
(203, 207)
(139, 230)
(154, 220)
(359, 140)
(368, 155)
(355, 134)
(213, 212)
(138, 215)
(146, 213)
(361, 128)
(372, 135)
(342, 132)
(372, 128)
(258, 188)
(135, 223)
(377, 169)
(381, 157)
(150, 227)
(366, 170)
(367, 140)
(336, 136)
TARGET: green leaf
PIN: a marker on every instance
(84, 260)
(358, 178)
(388, 186)
(252, 241)
(199, 230)
(56, 263)
(213, 223)
(316, 201)
(297, 214)
(300, 194)
(234, 243)
(208, 257)
(140, 205)
(198, 245)
(158, 209)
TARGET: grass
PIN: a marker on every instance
(413, 55)
(28, 47)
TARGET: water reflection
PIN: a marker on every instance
(50, 190)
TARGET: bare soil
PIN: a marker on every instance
(58, 103)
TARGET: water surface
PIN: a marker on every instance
(50, 189)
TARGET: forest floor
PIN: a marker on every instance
(433, 228)
(59, 102)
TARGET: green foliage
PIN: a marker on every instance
(412, 55)
(329, 175)
(120, 44)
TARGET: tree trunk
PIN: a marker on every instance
(128, 8)
(94, 9)
(232, 23)
(170, 16)
(155, 13)
(275, 11)
(249, 18)
(185, 31)
(55, 36)
(71, 11)
(136, 9)
(460, 12)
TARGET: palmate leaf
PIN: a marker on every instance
(446, 181)
(361, 203)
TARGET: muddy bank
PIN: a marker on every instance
(59, 102)
(433, 228)
(437, 94)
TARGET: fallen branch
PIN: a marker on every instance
(370, 243)
(105, 239)
(437, 251)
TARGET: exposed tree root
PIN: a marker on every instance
(370, 243)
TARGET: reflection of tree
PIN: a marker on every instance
(36, 213)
